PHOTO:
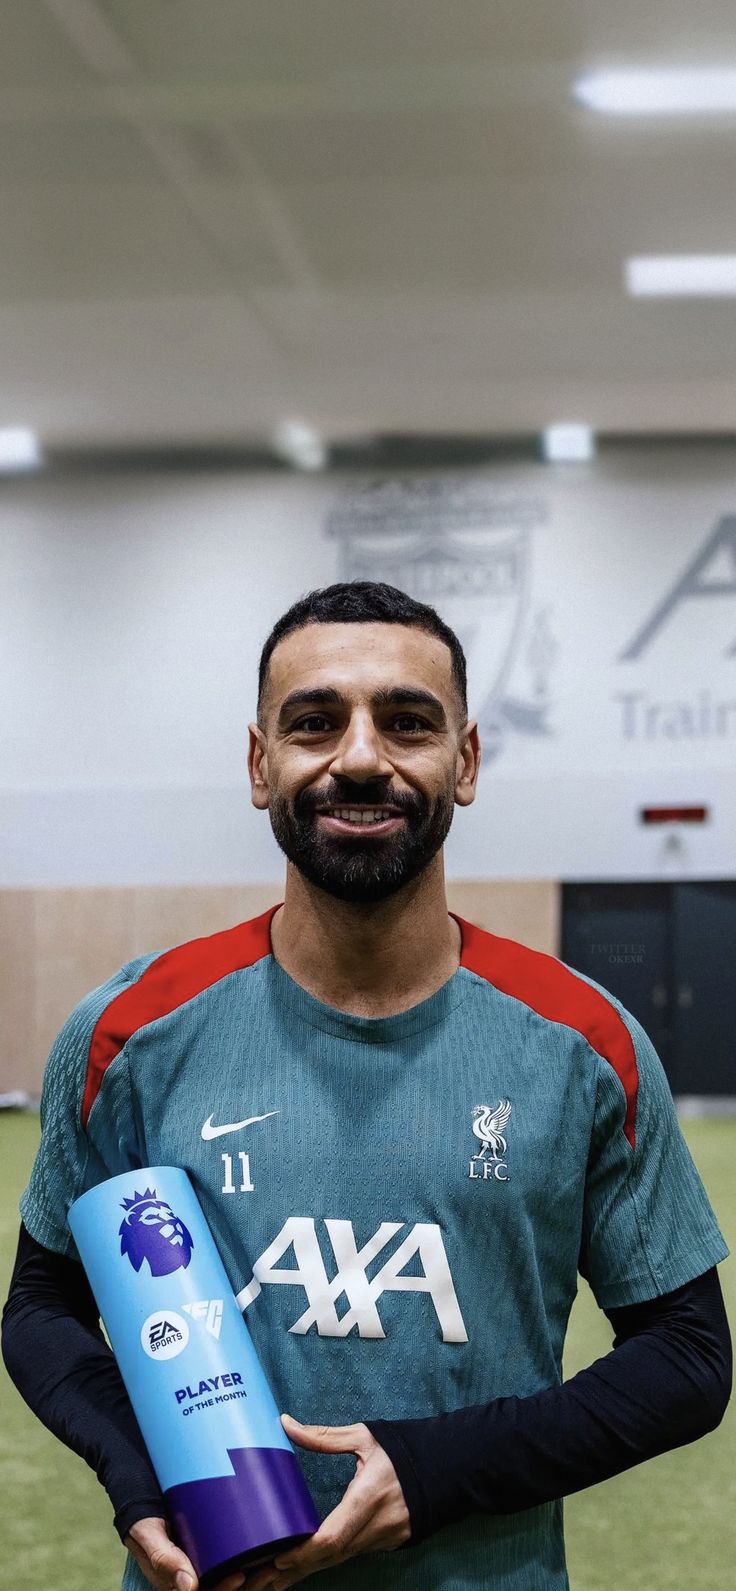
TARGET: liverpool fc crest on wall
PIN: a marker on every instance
(464, 546)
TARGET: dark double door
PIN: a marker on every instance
(668, 951)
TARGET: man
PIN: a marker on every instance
(407, 1135)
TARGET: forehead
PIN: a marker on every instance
(357, 658)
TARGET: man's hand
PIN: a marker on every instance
(371, 1517)
(165, 1566)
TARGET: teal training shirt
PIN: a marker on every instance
(402, 1203)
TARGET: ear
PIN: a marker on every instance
(468, 765)
(258, 767)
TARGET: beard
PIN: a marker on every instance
(360, 868)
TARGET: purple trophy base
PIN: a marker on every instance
(229, 1520)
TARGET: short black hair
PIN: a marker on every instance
(364, 602)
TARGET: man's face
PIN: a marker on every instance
(362, 755)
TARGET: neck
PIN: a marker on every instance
(368, 960)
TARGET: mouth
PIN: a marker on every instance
(365, 820)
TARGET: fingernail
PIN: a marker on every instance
(183, 1581)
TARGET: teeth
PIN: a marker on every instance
(361, 814)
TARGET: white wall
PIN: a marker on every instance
(133, 610)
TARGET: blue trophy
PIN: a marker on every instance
(232, 1483)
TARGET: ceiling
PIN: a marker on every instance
(384, 217)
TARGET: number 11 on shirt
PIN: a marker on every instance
(246, 1184)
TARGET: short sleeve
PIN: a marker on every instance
(648, 1226)
(70, 1159)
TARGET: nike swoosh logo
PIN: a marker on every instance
(208, 1131)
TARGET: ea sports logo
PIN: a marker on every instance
(164, 1335)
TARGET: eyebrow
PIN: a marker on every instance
(398, 696)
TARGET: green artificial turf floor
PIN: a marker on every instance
(669, 1524)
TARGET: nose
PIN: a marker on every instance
(361, 754)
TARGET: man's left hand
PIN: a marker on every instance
(372, 1516)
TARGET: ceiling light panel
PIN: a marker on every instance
(669, 92)
(681, 276)
(19, 449)
(568, 442)
(300, 445)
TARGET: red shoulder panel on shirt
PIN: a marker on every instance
(558, 994)
(172, 979)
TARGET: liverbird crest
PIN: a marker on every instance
(488, 1126)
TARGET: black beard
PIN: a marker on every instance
(357, 869)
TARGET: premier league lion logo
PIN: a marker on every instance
(151, 1231)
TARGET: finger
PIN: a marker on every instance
(387, 1539)
(370, 1516)
(292, 1577)
(163, 1563)
(261, 1579)
(366, 1541)
(325, 1438)
(162, 1574)
(364, 1521)
(328, 1545)
(173, 1569)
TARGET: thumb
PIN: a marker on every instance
(153, 1548)
(324, 1438)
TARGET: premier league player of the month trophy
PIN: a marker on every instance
(233, 1487)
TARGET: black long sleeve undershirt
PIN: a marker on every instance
(62, 1366)
(665, 1382)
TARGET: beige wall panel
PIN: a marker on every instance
(60, 943)
(526, 909)
(169, 916)
(17, 985)
(81, 937)
(57, 944)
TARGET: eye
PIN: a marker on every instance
(417, 725)
(311, 720)
(318, 723)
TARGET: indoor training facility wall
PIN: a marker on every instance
(60, 943)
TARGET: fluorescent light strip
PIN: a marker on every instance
(19, 449)
(300, 445)
(681, 276)
(568, 442)
(671, 92)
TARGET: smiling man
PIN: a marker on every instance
(361, 750)
(409, 1137)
